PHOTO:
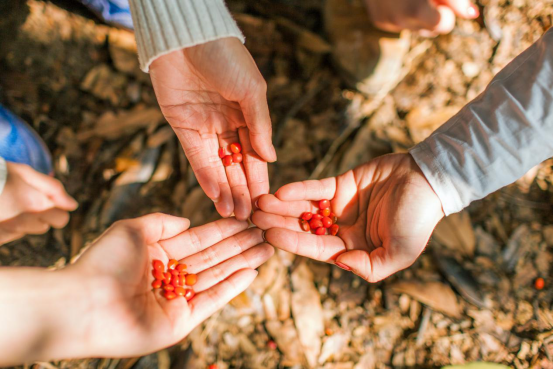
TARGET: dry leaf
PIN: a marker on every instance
(286, 338)
(422, 121)
(438, 296)
(456, 233)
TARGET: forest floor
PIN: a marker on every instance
(470, 297)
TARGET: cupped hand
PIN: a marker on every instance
(31, 203)
(386, 212)
(213, 95)
(428, 17)
(125, 316)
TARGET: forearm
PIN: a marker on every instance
(169, 25)
(42, 316)
(497, 137)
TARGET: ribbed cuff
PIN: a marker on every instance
(438, 178)
(163, 26)
(3, 174)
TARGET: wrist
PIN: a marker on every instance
(43, 316)
(434, 203)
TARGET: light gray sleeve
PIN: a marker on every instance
(3, 174)
(497, 137)
(163, 26)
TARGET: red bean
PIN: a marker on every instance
(191, 279)
(158, 274)
(539, 283)
(334, 229)
(189, 294)
(171, 264)
(182, 278)
(175, 281)
(327, 222)
(174, 272)
(307, 215)
(325, 212)
(304, 225)
(158, 265)
(324, 204)
(237, 158)
(169, 287)
(170, 295)
(181, 268)
(317, 216)
(167, 277)
(180, 291)
(320, 231)
(227, 160)
(235, 148)
(333, 217)
(157, 283)
(221, 152)
(314, 224)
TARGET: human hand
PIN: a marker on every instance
(213, 95)
(125, 317)
(31, 203)
(429, 17)
(386, 212)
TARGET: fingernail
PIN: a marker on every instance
(263, 236)
(274, 154)
(256, 203)
(472, 11)
(342, 266)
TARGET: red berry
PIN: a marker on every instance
(327, 222)
(191, 279)
(227, 160)
(167, 277)
(174, 272)
(189, 294)
(221, 152)
(539, 283)
(320, 231)
(237, 158)
(304, 225)
(170, 295)
(325, 212)
(158, 274)
(235, 148)
(314, 224)
(324, 204)
(175, 281)
(171, 264)
(306, 216)
(180, 291)
(169, 287)
(334, 229)
(181, 268)
(272, 345)
(158, 265)
(317, 216)
(182, 279)
(213, 366)
(333, 217)
(157, 284)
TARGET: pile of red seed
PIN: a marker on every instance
(234, 157)
(321, 222)
(175, 281)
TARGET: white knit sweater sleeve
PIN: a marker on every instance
(163, 26)
(496, 138)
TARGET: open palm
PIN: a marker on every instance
(386, 208)
(127, 317)
(213, 95)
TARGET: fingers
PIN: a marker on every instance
(447, 20)
(237, 180)
(200, 238)
(271, 204)
(56, 218)
(27, 223)
(256, 114)
(374, 266)
(50, 187)
(255, 168)
(213, 299)
(266, 221)
(223, 250)
(462, 8)
(157, 227)
(323, 248)
(308, 190)
(250, 259)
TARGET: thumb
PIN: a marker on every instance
(462, 8)
(256, 114)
